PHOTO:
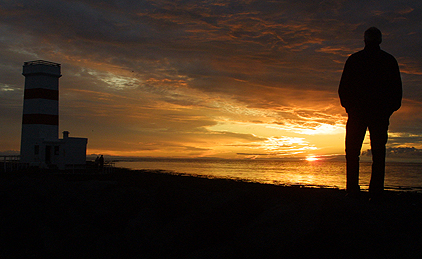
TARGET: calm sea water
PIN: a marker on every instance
(399, 176)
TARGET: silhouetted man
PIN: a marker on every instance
(370, 90)
(101, 162)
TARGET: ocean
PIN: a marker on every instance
(322, 173)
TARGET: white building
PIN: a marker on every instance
(40, 143)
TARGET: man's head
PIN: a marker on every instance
(373, 36)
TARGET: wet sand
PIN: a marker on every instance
(151, 214)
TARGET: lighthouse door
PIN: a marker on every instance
(47, 154)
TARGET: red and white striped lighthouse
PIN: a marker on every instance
(40, 120)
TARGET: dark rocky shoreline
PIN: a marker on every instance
(151, 214)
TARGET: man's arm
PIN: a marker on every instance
(345, 86)
(397, 89)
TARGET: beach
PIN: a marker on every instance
(156, 214)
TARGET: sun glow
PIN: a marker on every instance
(312, 158)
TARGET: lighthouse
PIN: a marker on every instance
(40, 143)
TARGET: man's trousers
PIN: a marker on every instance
(355, 134)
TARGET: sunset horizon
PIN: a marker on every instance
(225, 79)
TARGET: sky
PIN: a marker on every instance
(229, 79)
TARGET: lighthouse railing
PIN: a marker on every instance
(11, 163)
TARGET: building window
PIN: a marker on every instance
(36, 150)
(56, 150)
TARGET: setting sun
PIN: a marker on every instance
(312, 158)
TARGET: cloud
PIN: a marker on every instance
(197, 77)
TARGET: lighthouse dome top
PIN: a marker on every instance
(41, 62)
(41, 67)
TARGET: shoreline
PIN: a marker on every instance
(398, 177)
(151, 214)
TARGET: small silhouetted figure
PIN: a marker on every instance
(370, 90)
(97, 161)
(101, 162)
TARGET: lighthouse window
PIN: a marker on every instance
(56, 150)
(36, 150)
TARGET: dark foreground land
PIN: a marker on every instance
(145, 214)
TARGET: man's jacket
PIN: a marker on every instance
(371, 83)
